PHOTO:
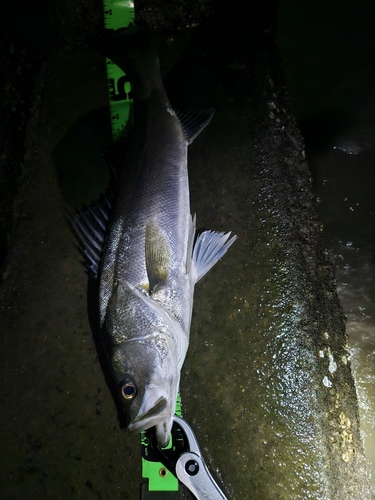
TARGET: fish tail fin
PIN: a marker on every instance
(208, 249)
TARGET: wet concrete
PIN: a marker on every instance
(58, 419)
(276, 368)
(329, 68)
(266, 384)
(344, 185)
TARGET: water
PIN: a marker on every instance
(355, 284)
(346, 202)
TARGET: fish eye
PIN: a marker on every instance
(128, 390)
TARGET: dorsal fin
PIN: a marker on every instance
(194, 122)
(90, 225)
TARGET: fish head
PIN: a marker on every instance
(147, 350)
(147, 387)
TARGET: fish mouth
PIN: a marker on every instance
(154, 416)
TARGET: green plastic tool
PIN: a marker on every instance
(159, 477)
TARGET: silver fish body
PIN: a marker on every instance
(150, 264)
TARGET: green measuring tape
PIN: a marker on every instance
(120, 14)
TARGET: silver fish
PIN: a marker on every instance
(150, 264)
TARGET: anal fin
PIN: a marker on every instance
(194, 122)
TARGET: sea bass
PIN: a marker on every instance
(149, 264)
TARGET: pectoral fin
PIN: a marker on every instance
(158, 256)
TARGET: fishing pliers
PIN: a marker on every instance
(184, 459)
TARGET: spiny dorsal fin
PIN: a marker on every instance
(90, 225)
(194, 122)
(158, 255)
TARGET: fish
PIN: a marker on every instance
(145, 252)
